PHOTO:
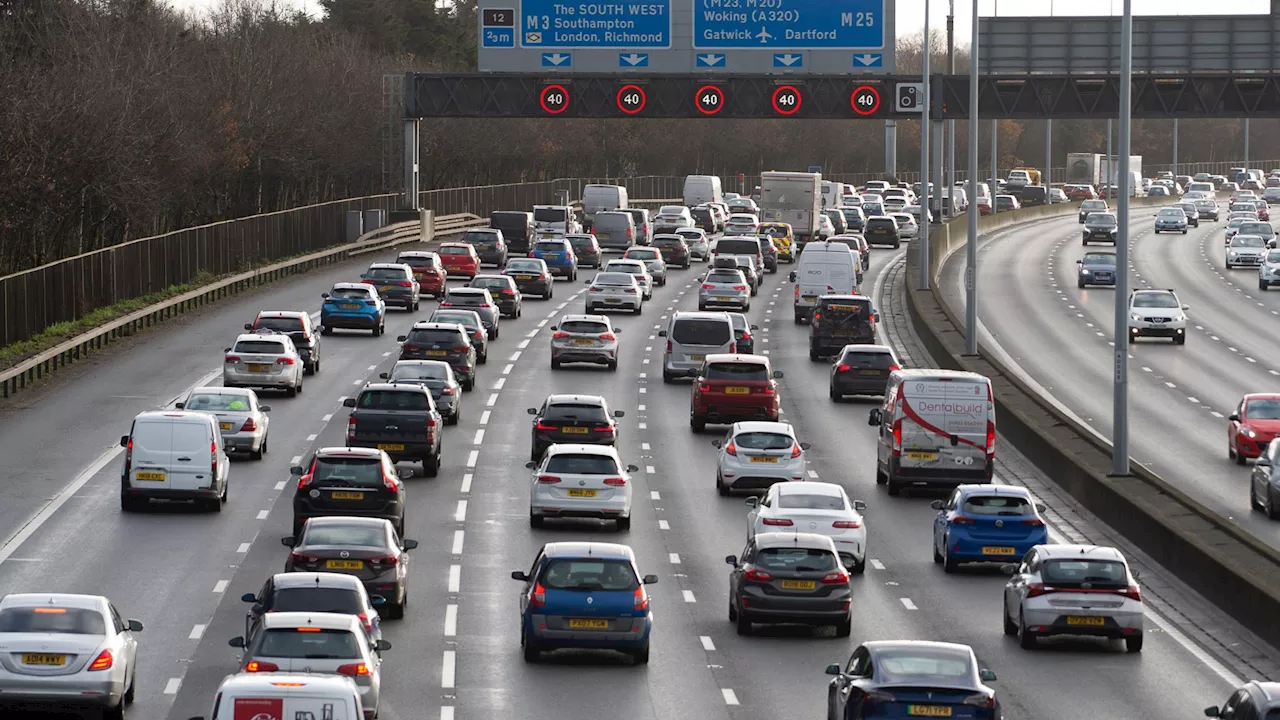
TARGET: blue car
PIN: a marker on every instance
(585, 595)
(1097, 268)
(911, 678)
(354, 306)
(559, 256)
(986, 523)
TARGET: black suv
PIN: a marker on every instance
(840, 320)
(576, 419)
(489, 243)
(297, 325)
(442, 341)
(360, 482)
(882, 230)
(399, 419)
(503, 290)
(1099, 227)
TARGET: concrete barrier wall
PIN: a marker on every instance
(1231, 568)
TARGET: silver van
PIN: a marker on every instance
(937, 429)
(601, 198)
(174, 455)
(615, 230)
(691, 336)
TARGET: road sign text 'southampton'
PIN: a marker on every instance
(710, 37)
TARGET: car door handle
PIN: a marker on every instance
(184, 459)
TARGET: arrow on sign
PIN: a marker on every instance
(868, 60)
(788, 60)
(555, 59)
(634, 60)
(710, 60)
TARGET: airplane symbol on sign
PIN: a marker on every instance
(764, 36)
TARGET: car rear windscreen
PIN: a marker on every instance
(525, 266)
(668, 242)
(582, 465)
(343, 471)
(362, 535)
(349, 294)
(867, 360)
(417, 262)
(587, 575)
(550, 247)
(726, 278)
(455, 250)
(614, 278)
(548, 215)
(480, 239)
(738, 247)
(584, 327)
(317, 599)
(262, 347)
(997, 505)
(799, 501)
(309, 643)
(701, 213)
(75, 621)
(491, 284)
(575, 413)
(1074, 572)
(392, 400)
(467, 319)
(793, 559)
(413, 372)
(703, 331)
(385, 273)
(217, 401)
(279, 324)
(434, 337)
(881, 223)
(737, 372)
(763, 441)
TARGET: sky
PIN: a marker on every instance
(910, 13)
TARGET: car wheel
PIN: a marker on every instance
(894, 488)
(860, 567)
(613, 366)
(667, 377)
(453, 419)
(881, 478)
(483, 359)
(813, 354)
(641, 656)
(535, 521)
(1240, 460)
(799, 320)
(743, 623)
(531, 651)
(937, 554)
(291, 392)
(1026, 638)
(1262, 285)
(129, 504)
(555, 364)
(431, 465)
(325, 329)
(114, 713)
(721, 488)
(949, 564)
(1184, 232)
(639, 309)
(733, 612)
(624, 524)
(132, 692)
(845, 628)
(1157, 231)
(697, 425)
(835, 396)
(1133, 644)
(1080, 283)
(395, 612)
(257, 454)
(1272, 512)
(469, 385)
(1010, 627)
(1180, 340)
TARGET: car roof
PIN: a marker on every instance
(283, 314)
(326, 621)
(811, 541)
(387, 266)
(921, 374)
(353, 286)
(184, 415)
(285, 684)
(763, 426)
(462, 290)
(557, 239)
(429, 325)
(315, 579)
(876, 646)
(580, 449)
(349, 452)
(347, 521)
(572, 399)
(221, 390)
(860, 348)
(417, 254)
(624, 261)
(736, 359)
(1153, 291)
(993, 489)
(581, 548)
(459, 310)
(262, 336)
(840, 297)
(1262, 396)
(585, 318)
(391, 386)
(70, 600)
(488, 276)
(1058, 551)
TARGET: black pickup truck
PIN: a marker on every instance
(840, 320)
(400, 419)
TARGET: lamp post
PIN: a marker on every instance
(923, 280)
(971, 247)
(1120, 392)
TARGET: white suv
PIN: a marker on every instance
(1157, 313)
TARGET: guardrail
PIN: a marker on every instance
(1236, 571)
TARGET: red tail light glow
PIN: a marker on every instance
(610, 337)
(777, 522)
(538, 598)
(843, 367)
(641, 599)
(847, 524)
(366, 621)
(731, 449)
(893, 368)
(708, 286)
(508, 291)
(104, 661)
(796, 450)
(739, 287)
(963, 520)
(615, 482)
(543, 427)
(249, 425)
(405, 283)
(301, 558)
(981, 700)
(351, 428)
(754, 575)
(548, 479)
(284, 361)
(447, 391)
(232, 358)
(1037, 589)
(257, 666)
(1133, 592)
(991, 439)
(1037, 522)
(835, 578)
(897, 437)
(386, 560)
(354, 669)
(668, 346)
(391, 483)
(560, 336)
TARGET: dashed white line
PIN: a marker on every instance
(654, 495)
(644, 446)
(813, 474)
(706, 643)
(1216, 414)
(220, 586)
(295, 459)
(643, 375)
(1193, 399)
(664, 525)
(466, 484)
(642, 426)
(326, 418)
(455, 578)
(446, 712)
(1146, 369)
(479, 437)
(457, 540)
(373, 367)
(876, 564)
(906, 603)
(262, 514)
(688, 596)
(729, 697)
(515, 356)
(448, 668)
(196, 632)
(642, 391)
(498, 385)
(650, 469)
(523, 344)
(640, 408)
(1250, 359)
(461, 513)
(507, 370)
(244, 547)
(311, 437)
(450, 620)
(171, 687)
(1169, 384)
(674, 558)
(493, 400)
(472, 458)
(280, 485)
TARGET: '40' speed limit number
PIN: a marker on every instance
(787, 100)
(631, 99)
(709, 100)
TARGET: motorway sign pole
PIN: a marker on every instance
(924, 156)
(1120, 422)
(891, 148)
(1047, 176)
(951, 124)
(971, 247)
(1175, 149)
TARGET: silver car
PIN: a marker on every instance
(580, 481)
(242, 419)
(725, 287)
(637, 268)
(1246, 251)
(317, 642)
(1269, 270)
(611, 290)
(652, 258)
(1171, 218)
(907, 226)
(67, 651)
(696, 239)
(742, 224)
(435, 375)
(584, 339)
(263, 360)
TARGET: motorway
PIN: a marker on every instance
(1179, 397)
(457, 651)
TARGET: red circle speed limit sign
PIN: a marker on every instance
(865, 100)
(786, 100)
(554, 99)
(709, 100)
(631, 99)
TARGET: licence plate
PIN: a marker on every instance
(224, 426)
(724, 299)
(602, 236)
(345, 564)
(524, 277)
(391, 447)
(43, 659)
(589, 342)
(351, 306)
(737, 391)
(579, 492)
(149, 475)
(999, 551)
(919, 455)
(437, 353)
(576, 624)
(574, 430)
(869, 372)
(845, 308)
(385, 288)
(798, 584)
(344, 495)
(613, 301)
(929, 711)
(1090, 621)
(807, 298)
(697, 358)
(258, 367)
(764, 459)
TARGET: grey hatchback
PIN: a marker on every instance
(446, 341)
(396, 284)
(725, 286)
(435, 375)
(789, 578)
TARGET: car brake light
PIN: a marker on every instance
(847, 524)
(843, 367)
(366, 282)
(543, 427)
(479, 334)
(538, 598)
(447, 391)
(991, 438)
(754, 575)
(461, 348)
(641, 599)
(548, 479)
(386, 560)
(284, 361)
(405, 283)
(1133, 592)
(232, 359)
(1037, 522)
(739, 287)
(258, 666)
(128, 457)
(213, 459)
(708, 286)
(615, 482)
(1037, 589)
(301, 558)
(897, 436)
(796, 291)
(104, 661)
(962, 520)
(249, 425)
(366, 621)
(878, 696)
(795, 450)
(391, 482)
(596, 289)
(604, 428)
(354, 669)
(817, 316)
(560, 336)
(835, 578)
(508, 291)
(894, 368)
(351, 428)
(981, 700)
(777, 522)
(668, 347)
(731, 449)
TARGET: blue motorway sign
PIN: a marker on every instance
(790, 24)
(602, 24)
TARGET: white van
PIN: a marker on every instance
(826, 268)
(174, 455)
(555, 220)
(834, 194)
(699, 189)
(286, 696)
(601, 198)
(937, 429)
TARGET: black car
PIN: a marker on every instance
(297, 325)
(840, 320)
(518, 229)
(503, 290)
(471, 322)
(349, 482)
(743, 342)
(675, 251)
(586, 247)
(447, 341)
(577, 419)
(1033, 195)
(399, 419)
(793, 578)
(368, 548)
(1100, 227)
(704, 218)
(478, 299)
(532, 277)
(489, 243)
(862, 370)
(769, 252)
(882, 230)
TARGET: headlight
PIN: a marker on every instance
(1136, 316)
(1232, 253)
(1250, 433)
(1084, 272)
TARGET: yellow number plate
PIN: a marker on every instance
(999, 551)
(1090, 621)
(385, 288)
(148, 475)
(524, 277)
(697, 358)
(344, 495)
(870, 372)
(351, 306)
(224, 426)
(724, 299)
(737, 391)
(259, 367)
(391, 447)
(845, 308)
(920, 455)
(437, 353)
(798, 584)
(764, 459)
(578, 492)
(928, 711)
(42, 659)
(576, 624)
(575, 430)
(587, 342)
(345, 564)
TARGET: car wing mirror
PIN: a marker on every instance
(777, 374)
(752, 501)
(249, 598)
(937, 505)
(717, 443)
(662, 333)
(633, 468)
(1009, 569)
(755, 327)
(384, 376)
(1234, 417)
(376, 600)
(404, 473)
(519, 575)
(986, 675)
(650, 579)
(226, 349)
(619, 413)
(1208, 712)
(248, 326)
(805, 446)
(859, 505)
(531, 465)
(134, 625)
(532, 411)
(324, 296)
(264, 408)
(349, 402)
(731, 560)
(1186, 307)
(401, 338)
(297, 471)
(1041, 507)
(289, 541)
(410, 544)
(382, 646)
(236, 642)
(874, 417)
(124, 441)
(833, 669)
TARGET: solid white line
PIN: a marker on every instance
(507, 370)
(455, 578)
(457, 540)
(674, 558)
(472, 458)
(729, 697)
(650, 469)
(877, 564)
(262, 514)
(244, 547)
(460, 514)
(450, 620)
(171, 687)
(664, 525)
(707, 644)
(523, 344)
(484, 418)
(688, 596)
(493, 400)
(280, 485)
(906, 603)
(448, 669)
(327, 418)
(41, 517)
(498, 385)
(479, 437)
(220, 586)
(466, 483)
(196, 632)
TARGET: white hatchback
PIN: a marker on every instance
(756, 454)
(580, 481)
(263, 360)
(638, 268)
(813, 507)
(742, 224)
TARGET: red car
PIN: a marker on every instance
(460, 259)
(1264, 213)
(1081, 192)
(731, 388)
(428, 269)
(1252, 426)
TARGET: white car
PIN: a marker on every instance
(580, 481)
(1246, 250)
(814, 507)
(696, 239)
(585, 339)
(263, 360)
(1073, 590)
(907, 226)
(241, 418)
(825, 228)
(67, 650)
(614, 290)
(1269, 271)
(671, 218)
(742, 224)
(652, 258)
(637, 268)
(1157, 313)
(756, 454)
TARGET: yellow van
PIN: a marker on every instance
(782, 239)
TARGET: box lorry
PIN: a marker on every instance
(794, 198)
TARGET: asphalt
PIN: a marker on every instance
(457, 650)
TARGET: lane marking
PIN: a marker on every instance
(515, 356)
(280, 485)
(448, 669)
(493, 400)
(653, 495)
(262, 514)
(457, 540)
(40, 518)
(1194, 400)
(664, 525)
(1170, 384)
(446, 712)
(523, 344)
(326, 418)
(643, 426)
(640, 408)
(498, 385)
(507, 370)
(688, 596)
(906, 603)
(729, 697)
(460, 514)
(674, 558)
(171, 687)
(479, 437)
(643, 391)
(706, 643)
(484, 418)
(244, 548)
(1216, 414)
(220, 586)
(295, 460)
(196, 632)
(455, 578)
(450, 620)
(813, 474)
(472, 458)
(649, 469)
(466, 483)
